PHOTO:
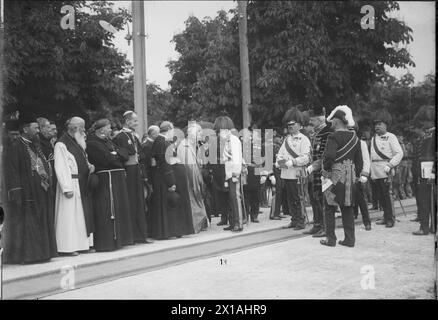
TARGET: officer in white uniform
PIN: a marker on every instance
(293, 156)
(386, 153)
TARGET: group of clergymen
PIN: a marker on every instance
(101, 190)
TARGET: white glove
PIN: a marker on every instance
(289, 163)
(226, 184)
(272, 178)
(262, 179)
(235, 180)
(387, 169)
(363, 179)
(309, 169)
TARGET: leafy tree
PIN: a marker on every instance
(59, 73)
(301, 52)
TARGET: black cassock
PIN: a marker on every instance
(129, 143)
(112, 219)
(29, 227)
(148, 172)
(169, 219)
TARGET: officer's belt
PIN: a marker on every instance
(379, 160)
(75, 176)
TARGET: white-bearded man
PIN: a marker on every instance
(73, 211)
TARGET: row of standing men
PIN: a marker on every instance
(100, 183)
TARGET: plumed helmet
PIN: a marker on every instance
(425, 113)
(293, 115)
(343, 113)
(382, 115)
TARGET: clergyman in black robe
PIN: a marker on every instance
(127, 140)
(29, 229)
(171, 213)
(112, 219)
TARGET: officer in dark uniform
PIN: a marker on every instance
(426, 196)
(279, 195)
(252, 187)
(322, 129)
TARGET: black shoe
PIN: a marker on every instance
(228, 228)
(389, 224)
(420, 233)
(275, 218)
(282, 216)
(255, 220)
(416, 219)
(346, 244)
(327, 243)
(319, 234)
(299, 227)
(289, 226)
(368, 227)
(222, 223)
(237, 229)
(381, 222)
(313, 230)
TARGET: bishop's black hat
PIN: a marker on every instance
(26, 118)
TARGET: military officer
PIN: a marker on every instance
(425, 180)
(386, 153)
(293, 156)
(322, 129)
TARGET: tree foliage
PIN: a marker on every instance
(301, 52)
(59, 73)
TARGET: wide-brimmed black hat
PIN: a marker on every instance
(173, 199)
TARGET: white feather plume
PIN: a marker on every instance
(348, 114)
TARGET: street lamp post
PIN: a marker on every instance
(139, 39)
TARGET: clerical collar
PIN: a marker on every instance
(125, 129)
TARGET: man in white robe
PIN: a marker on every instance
(72, 168)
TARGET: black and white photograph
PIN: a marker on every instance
(219, 155)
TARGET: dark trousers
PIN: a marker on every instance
(280, 197)
(235, 203)
(316, 201)
(220, 204)
(375, 194)
(424, 202)
(293, 202)
(361, 203)
(385, 199)
(347, 223)
(252, 202)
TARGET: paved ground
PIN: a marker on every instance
(394, 265)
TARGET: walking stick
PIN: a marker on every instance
(391, 193)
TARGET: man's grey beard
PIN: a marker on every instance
(80, 139)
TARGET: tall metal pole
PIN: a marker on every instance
(138, 33)
(244, 63)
